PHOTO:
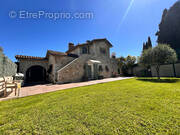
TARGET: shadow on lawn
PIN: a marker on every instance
(155, 80)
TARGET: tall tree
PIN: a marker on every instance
(149, 43)
(169, 28)
(144, 46)
(161, 54)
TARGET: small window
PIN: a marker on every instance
(84, 50)
(102, 50)
(107, 69)
(100, 68)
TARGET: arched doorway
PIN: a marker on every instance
(36, 74)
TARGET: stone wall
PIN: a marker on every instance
(75, 71)
(52, 61)
(97, 46)
(7, 67)
(72, 73)
(24, 65)
(61, 61)
(58, 62)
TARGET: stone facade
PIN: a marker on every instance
(58, 62)
(25, 64)
(89, 60)
(76, 70)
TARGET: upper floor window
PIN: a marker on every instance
(85, 50)
(102, 50)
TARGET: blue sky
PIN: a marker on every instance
(125, 23)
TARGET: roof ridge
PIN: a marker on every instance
(28, 57)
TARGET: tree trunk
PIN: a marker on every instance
(174, 69)
(157, 69)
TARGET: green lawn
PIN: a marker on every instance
(133, 106)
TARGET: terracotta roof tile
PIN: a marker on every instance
(56, 53)
(29, 57)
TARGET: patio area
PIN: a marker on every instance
(44, 88)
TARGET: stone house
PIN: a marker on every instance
(81, 62)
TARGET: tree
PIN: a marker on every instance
(130, 61)
(169, 28)
(126, 63)
(144, 46)
(161, 54)
(147, 44)
(121, 62)
(146, 57)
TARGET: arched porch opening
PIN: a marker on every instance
(36, 74)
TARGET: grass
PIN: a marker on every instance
(133, 106)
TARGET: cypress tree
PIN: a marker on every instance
(144, 46)
(149, 43)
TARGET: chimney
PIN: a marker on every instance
(88, 41)
(71, 46)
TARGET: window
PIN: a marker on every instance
(107, 69)
(102, 50)
(100, 68)
(84, 50)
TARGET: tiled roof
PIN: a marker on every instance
(56, 53)
(89, 43)
(29, 57)
(41, 58)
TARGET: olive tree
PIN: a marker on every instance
(126, 63)
(160, 54)
(130, 61)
